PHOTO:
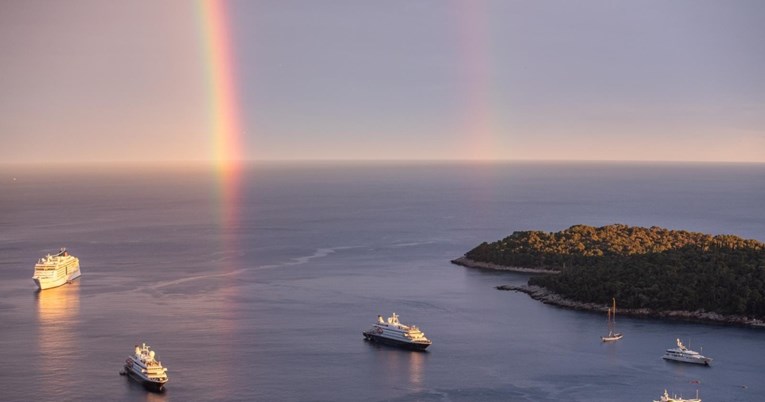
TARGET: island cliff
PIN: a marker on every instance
(651, 271)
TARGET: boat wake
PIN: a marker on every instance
(413, 244)
(319, 253)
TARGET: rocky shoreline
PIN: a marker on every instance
(548, 297)
(467, 262)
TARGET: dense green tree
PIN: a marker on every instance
(642, 267)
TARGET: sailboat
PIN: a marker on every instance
(612, 334)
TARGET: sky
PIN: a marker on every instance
(651, 80)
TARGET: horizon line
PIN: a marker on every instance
(209, 162)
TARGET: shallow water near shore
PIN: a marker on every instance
(271, 305)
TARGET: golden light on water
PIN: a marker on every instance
(58, 311)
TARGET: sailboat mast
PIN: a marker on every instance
(609, 323)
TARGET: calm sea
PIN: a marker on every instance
(270, 306)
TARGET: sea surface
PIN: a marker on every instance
(258, 286)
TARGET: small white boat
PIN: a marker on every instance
(392, 332)
(685, 355)
(612, 334)
(675, 398)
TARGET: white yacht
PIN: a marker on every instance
(144, 368)
(55, 270)
(685, 355)
(675, 398)
(392, 332)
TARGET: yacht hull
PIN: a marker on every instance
(395, 342)
(701, 362)
(150, 385)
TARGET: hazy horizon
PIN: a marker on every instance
(209, 165)
(653, 81)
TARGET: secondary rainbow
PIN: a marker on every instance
(474, 41)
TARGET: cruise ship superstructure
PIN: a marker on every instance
(144, 368)
(675, 398)
(685, 355)
(55, 270)
(393, 332)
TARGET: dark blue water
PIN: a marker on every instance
(272, 307)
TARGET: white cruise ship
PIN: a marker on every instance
(685, 355)
(144, 368)
(55, 270)
(392, 332)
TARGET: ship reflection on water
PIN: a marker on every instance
(400, 366)
(137, 392)
(58, 311)
(416, 361)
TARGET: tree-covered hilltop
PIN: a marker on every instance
(577, 245)
(651, 268)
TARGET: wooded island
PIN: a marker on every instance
(652, 268)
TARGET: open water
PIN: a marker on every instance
(270, 306)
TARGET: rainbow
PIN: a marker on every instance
(476, 71)
(226, 134)
(224, 104)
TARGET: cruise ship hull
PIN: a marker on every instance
(43, 284)
(155, 386)
(395, 342)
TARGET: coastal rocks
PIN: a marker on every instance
(548, 297)
(467, 262)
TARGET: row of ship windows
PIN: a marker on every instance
(52, 267)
